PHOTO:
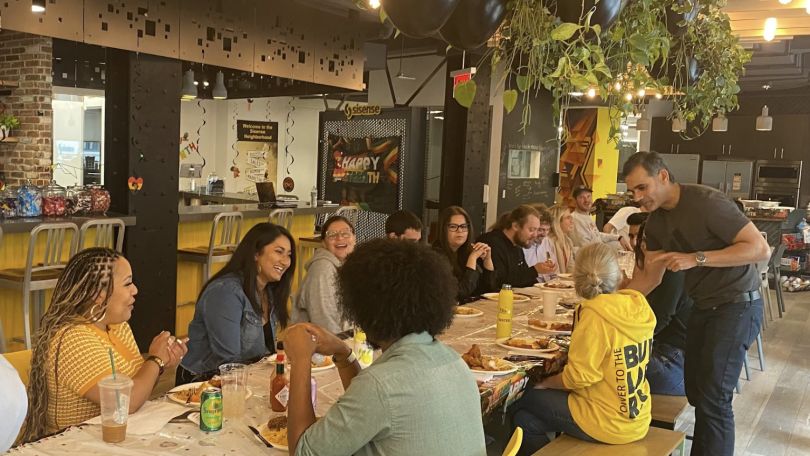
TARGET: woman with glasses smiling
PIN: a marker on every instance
(472, 263)
(317, 298)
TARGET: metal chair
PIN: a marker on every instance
(106, 235)
(775, 272)
(219, 250)
(41, 274)
(352, 214)
(282, 217)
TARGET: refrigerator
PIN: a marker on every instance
(734, 178)
(685, 167)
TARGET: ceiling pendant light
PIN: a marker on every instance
(720, 123)
(769, 32)
(220, 92)
(643, 122)
(189, 91)
(764, 121)
(37, 6)
(678, 124)
(785, 2)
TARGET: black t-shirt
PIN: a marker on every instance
(703, 220)
(509, 261)
(672, 306)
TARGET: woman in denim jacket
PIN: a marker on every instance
(241, 307)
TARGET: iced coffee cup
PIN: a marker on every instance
(114, 393)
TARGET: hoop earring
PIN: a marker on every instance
(94, 310)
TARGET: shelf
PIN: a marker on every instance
(10, 140)
(7, 86)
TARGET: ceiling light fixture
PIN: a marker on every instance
(220, 92)
(643, 122)
(37, 6)
(764, 121)
(769, 33)
(678, 124)
(658, 95)
(189, 91)
(592, 91)
(628, 96)
(641, 93)
(376, 3)
(720, 123)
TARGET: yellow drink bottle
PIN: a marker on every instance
(503, 329)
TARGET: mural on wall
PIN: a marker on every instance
(363, 171)
(257, 155)
(577, 149)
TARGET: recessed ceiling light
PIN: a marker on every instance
(769, 32)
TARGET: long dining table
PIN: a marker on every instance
(236, 437)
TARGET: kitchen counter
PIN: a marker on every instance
(219, 198)
(26, 224)
(254, 210)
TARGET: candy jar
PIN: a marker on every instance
(54, 200)
(100, 200)
(82, 200)
(8, 203)
(29, 200)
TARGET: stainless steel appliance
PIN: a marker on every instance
(685, 167)
(781, 172)
(732, 177)
(786, 195)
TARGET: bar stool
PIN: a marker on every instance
(219, 250)
(282, 217)
(775, 271)
(39, 276)
(105, 234)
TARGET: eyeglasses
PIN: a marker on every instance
(463, 227)
(338, 234)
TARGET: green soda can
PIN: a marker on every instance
(211, 410)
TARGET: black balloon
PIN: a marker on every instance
(473, 23)
(419, 18)
(606, 13)
(690, 72)
(673, 18)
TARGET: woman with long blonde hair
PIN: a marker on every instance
(85, 324)
(562, 225)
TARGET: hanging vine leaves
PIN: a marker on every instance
(510, 98)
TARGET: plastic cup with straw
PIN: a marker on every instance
(117, 393)
(114, 408)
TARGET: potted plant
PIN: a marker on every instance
(8, 122)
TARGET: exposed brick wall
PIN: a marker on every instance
(27, 60)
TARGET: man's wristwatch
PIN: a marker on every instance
(155, 359)
(346, 362)
(700, 258)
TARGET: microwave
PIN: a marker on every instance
(786, 195)
(778, 172)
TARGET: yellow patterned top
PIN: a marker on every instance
(78, 359)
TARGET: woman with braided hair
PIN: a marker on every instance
(86, 321)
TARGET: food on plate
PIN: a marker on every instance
(529, 343)
(327, 361)
(476, 361)
(191, 394)
(216, 381)
(276, 432)
(551, 325)
(559, 285)
(466, 311)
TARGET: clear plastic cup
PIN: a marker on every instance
(234, 389)
(114, 394)
(550, 300)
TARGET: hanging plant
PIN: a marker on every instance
(683, 51)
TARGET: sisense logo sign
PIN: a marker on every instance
(359, 110)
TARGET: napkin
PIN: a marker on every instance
(150, 419)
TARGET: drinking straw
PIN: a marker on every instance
(117, 393)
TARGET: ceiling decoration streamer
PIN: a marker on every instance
(234, 116)
(199, 129)
(288, 157)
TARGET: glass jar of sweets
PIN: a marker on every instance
(29, 200)
(100, 200)
(54, 200)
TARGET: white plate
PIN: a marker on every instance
(560, 290)
(476, 314)
(516, 298)
(263, 428)
(484, 375)
(566, 276)
(548, 331)
(194, 385)
(527, 351)
(272, 359)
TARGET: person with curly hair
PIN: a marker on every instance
(85, 324)
(418, 397)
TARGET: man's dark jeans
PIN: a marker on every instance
(716, 343)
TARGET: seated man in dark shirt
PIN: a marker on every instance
(672, 307)
(512, 233)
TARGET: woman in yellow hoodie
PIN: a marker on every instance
(602, 394)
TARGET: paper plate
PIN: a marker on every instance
(547, 330)
(502, 343)
(326, 365)
(516, 298)
(475, 314)
(174, 398)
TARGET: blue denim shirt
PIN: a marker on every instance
(225, 328)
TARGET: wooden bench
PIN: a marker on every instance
(657, 442)
(667, 409)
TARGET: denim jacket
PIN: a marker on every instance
(225, 328)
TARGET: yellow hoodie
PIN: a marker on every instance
(610, 348)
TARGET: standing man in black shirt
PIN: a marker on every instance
(512, 233)
(699, 230)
